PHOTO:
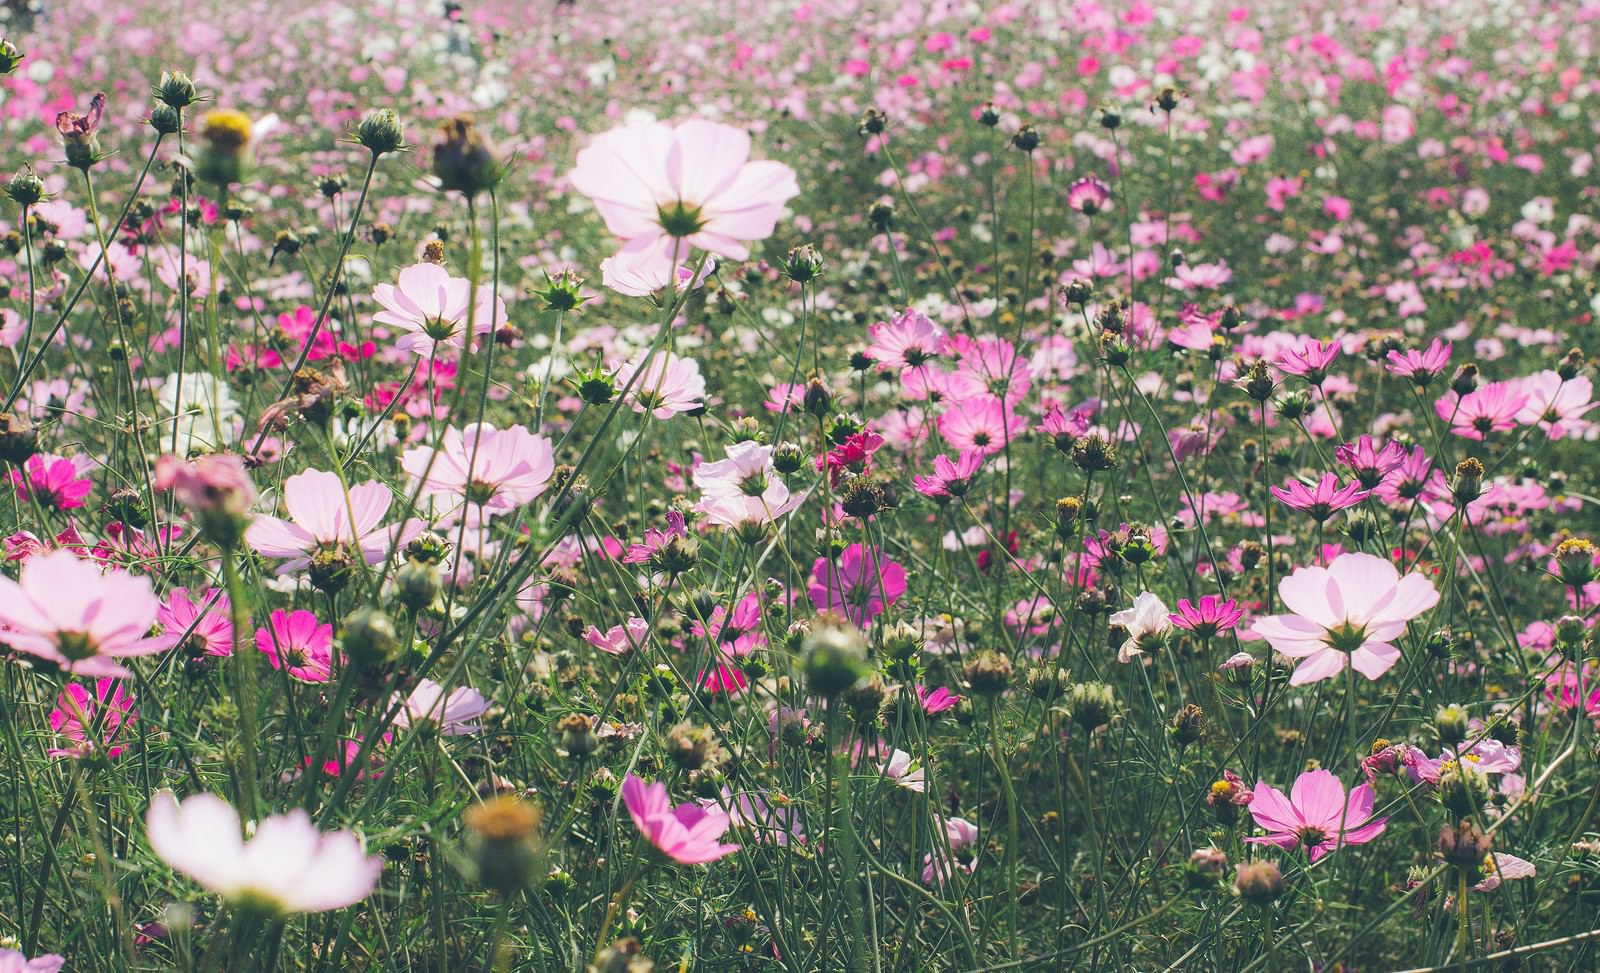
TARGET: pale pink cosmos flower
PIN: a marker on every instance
(669, 190)
(12, 961)
(298, 642)
(452, 714)
(199, 623)
(1146, 623)
(1315, 816)
(433, 309)
(1557, 405)
(619, 639)
(668, 386)
(743, 488)
(643, 275)
(322, 518)
(65, 611)
(287, 867)
(758, 813)
(111, 709)
(1349, 612)
(688, 834)
(961, 835)
(904, 771)
(494, 470)
(1499, 867)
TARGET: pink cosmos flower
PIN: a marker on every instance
(298, 642)
(949, 479)
(201, 624)
(910, 340)
(1369, 463)
(670, 385)
(983, 423)
(322, 518)
(452, 714)
(56, 482)
(494, 470)
(655, 539)
(1088, 195)
(722, 678)
(1421, 366)
(1315, 816)
(619, 639)
(287, 866)
(1323, 500)
(859, 586)
(433, 309)
(668, 190)
(11, 961)
(737, 636)
(761, 815)
(1211, 616)
(111, 708)
(961, 835)
(687, 834)
(66, 612)
(1351, 611)
(1492, 408)
(1310, 361)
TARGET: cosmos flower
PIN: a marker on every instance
(299, 642)
(1315, 816)
(65, 611)
(689, 834)
(859, 585)
(494, 470)
(433, 309)
(322, 518)
(111, 709)
(452, 714)
(669, 190)
(1347, 613)
(668, 386)
(199, 623)
(286, 867)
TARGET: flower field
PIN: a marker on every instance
(833, 485)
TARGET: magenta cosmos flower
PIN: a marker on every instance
(299, 642)
(1322, 500)
(494, 469)
(1351, 611)
(111, 710)
(65, 611)
(323, 518)
(55, 482)
(1210, 616)
(199, 623)
(1314, 815)
(288, 866)
(688, 834)
(433, 309)
(859, 586)
(668, 190)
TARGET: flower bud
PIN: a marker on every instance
(803, 265)
(224, 155)
(1091, 704)
(1187, 725)
(1464, 845)
(368, 637)
(463, 159)
(901, 641)
(988, 673)
(10, 57)
(165, 119)
(176, 91)
(1575, 559)
(834, 658)
(25, 188)
(1451, 723)
(380, 131)
(578, 738)
(416, 585)
(502, 837)
(1257, 882)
